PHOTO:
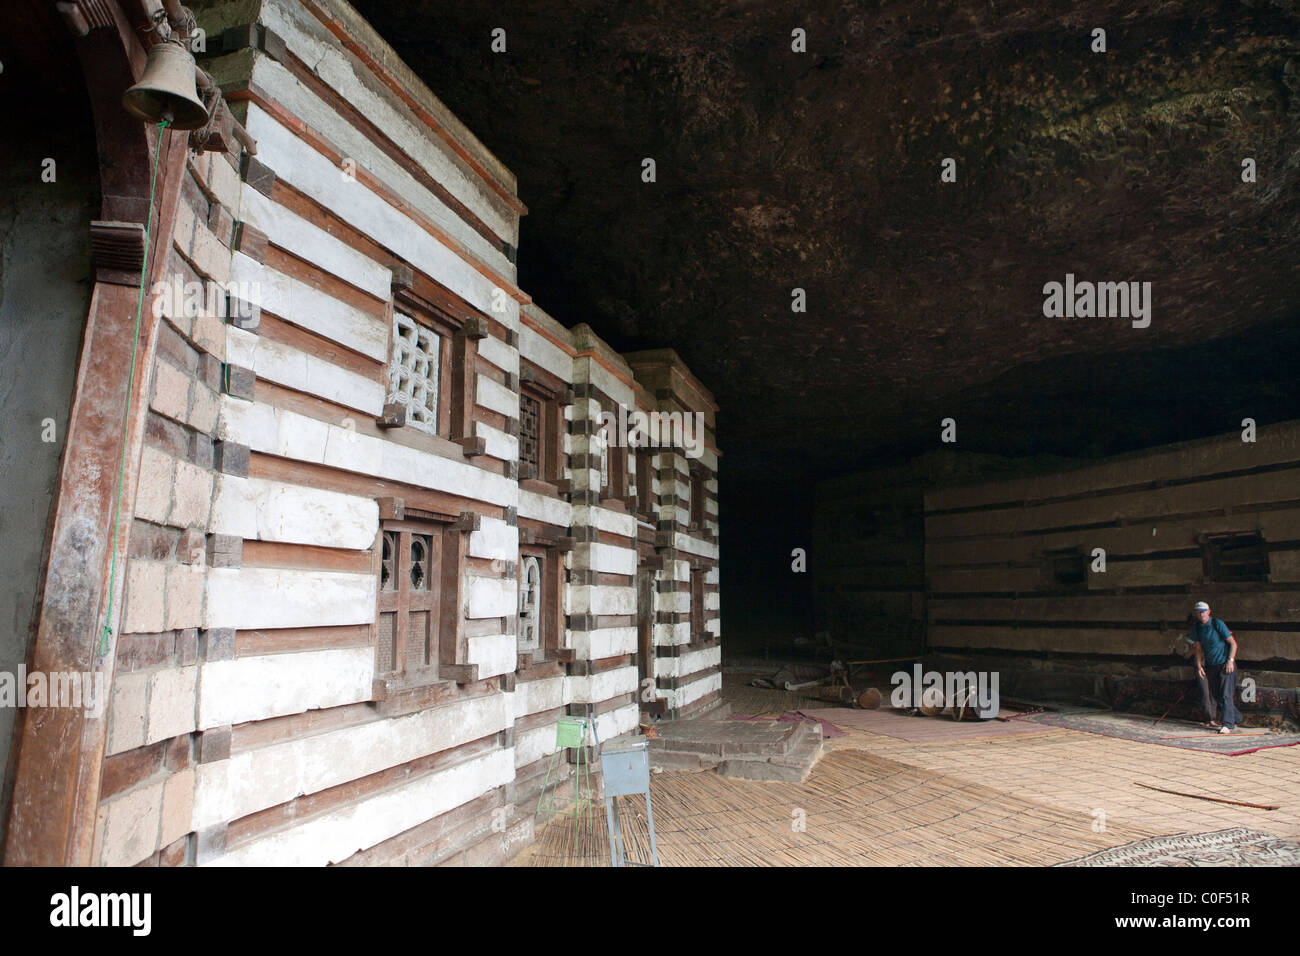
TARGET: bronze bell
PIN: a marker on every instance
(167, 89)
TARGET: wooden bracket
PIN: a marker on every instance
(469, 521)
(474, 328)
(565, 545)
(473, 446)
(117, 249)
(403, 277)
(460, 673)
(393, 509)
(393, 416)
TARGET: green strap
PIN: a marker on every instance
(107, 631)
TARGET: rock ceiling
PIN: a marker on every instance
(821, 170)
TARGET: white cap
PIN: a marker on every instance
(1201, 606)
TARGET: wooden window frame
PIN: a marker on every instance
(550, 618)
(615, 489)
(548, 391)
(698, 514)
(645, 493)
(446, 656)
(423, 301)
(697, 592)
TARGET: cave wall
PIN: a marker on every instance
(45, 212)
(1013, 571)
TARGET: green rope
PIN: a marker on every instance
(130, 379)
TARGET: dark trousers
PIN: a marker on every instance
(1218, 689)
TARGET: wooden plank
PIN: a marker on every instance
(1143, 574)
(273, 554)
(1254, 645)
(1202, 496)
(315, 175)
(261, 641)
(1279, 525)
(304, 372)
(323, 476)
(309, 242)
(1276, 444)
(447, 161)
(1272, 607)
(304, 305)
(986, 579)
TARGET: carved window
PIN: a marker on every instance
(530, 604)
(414, 372)
(409, 599)
(541, 425)
(530, 436)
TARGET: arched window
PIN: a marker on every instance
(530, 603)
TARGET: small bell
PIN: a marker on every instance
(167, 90)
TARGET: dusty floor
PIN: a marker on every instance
(1022, 799)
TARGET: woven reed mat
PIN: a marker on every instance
(904, 726)
(1239, 846)
(856, 809)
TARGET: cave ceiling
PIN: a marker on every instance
(821, 171)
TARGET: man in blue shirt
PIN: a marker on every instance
(1216, 666)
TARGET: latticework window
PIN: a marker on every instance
(530, 604)
(413, 371)
(530, 436)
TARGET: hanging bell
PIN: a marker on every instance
(167, 90)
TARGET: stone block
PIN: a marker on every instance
(145, 586)
(177, 806)
(210, 335)
(203, 409)
(172, 697)
(192, 496)
(130, 826)
(184, 596)
(127, 712)
(171, 391)
(209, 256)
(153, 494)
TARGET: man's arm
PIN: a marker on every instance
(1200, 659)
(1232, 654)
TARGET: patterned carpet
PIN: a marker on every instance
(1236, 847)
(1166, 733)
